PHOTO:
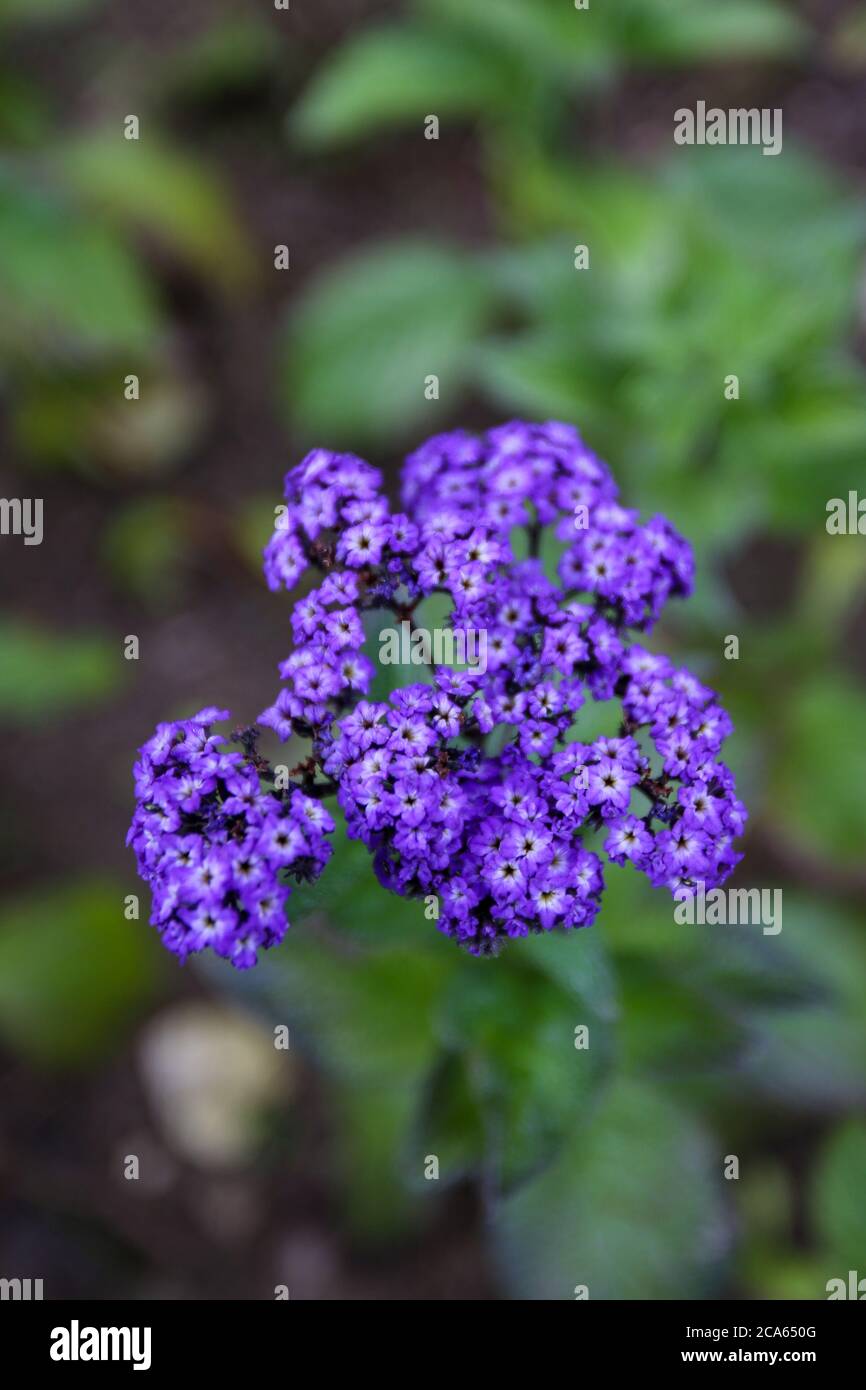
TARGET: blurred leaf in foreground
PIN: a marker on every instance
(568, 43)
(515, 1032)
(553, 43)
(507, 60)
(65, 282)
(824, 766)
(368, 334)
(840, 1209)
(42, 671)
(159, 189)
(659, 31)
(398, 74)
(73, 971)
(808, 1057)
(632, 1208)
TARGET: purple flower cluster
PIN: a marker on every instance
(484, 834)
(630, 570)
(216, 844)
(469, 785)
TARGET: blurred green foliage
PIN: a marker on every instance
(688, 283)
(515, 61)
(43, 672)
(632, 1208)
(74, 973)
(841, 1213)
(363, 341)
(159, 190)
(82, 307)
(601, 1166)
(604, 1164)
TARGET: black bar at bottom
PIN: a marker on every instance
(154, 1338)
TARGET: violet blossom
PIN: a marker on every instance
(470, 785)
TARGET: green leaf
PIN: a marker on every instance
(350, 897)
(657, 31)
(368, 1015)
(577, 47)
(397, 75)
(73, 971)
(809, 1057)
(732, 1014)
(65, 282)
(391, 676)
(769, 1276)
(674, 1020)
(817, 786)
(604, 334)
(742, 203)
(150, 186)
(541, 375)
(632, 1208)
(378, 1163)
(513, 1027)
(551, 40)
(367, 334)
(450, 1122)
(578, 962)
(839, 1184)
(671, 1029)
(44, 672)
